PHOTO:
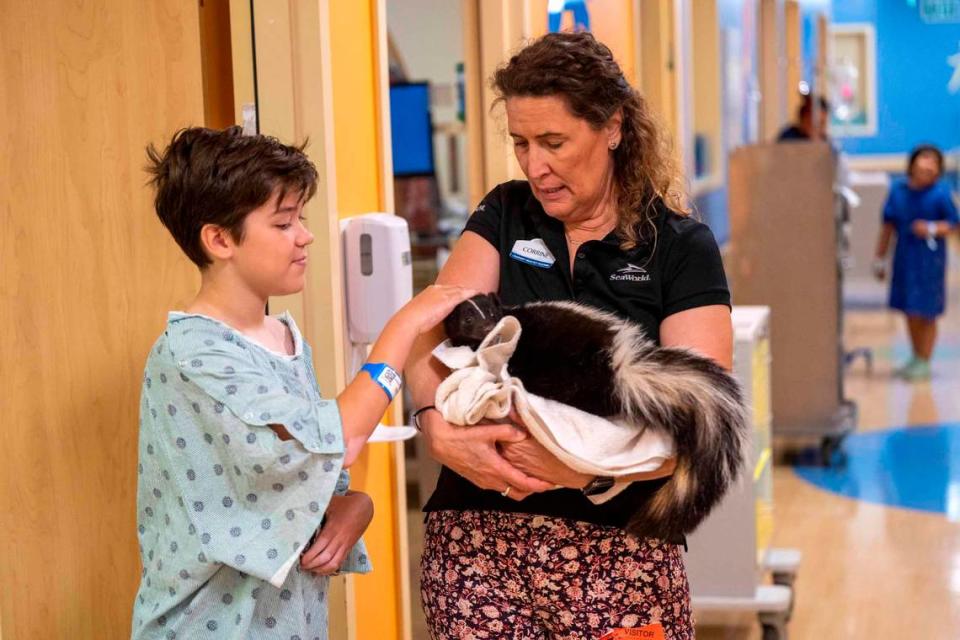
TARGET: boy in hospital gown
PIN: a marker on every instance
(224, 506)
(243, 510)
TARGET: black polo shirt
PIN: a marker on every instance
(680, 270)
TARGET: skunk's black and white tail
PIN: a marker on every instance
(697, 403)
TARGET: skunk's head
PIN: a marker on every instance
(471, 320)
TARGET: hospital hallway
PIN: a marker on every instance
(880, 544)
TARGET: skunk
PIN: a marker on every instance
(605, 365)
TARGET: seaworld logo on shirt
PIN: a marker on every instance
(632, 273)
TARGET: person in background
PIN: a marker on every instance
(920, 211)
(809, 126)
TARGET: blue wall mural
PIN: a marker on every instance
(918, 76)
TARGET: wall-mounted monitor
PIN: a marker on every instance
(411, 130)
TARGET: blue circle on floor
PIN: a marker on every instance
(909, 467)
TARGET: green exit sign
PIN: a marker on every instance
(940, 11)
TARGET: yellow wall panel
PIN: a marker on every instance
(355, 114)
(377, 594)
(380, 597)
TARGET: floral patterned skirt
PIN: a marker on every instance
(489, 574)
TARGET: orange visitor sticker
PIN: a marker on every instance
(649, 632)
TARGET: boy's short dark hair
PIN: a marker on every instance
(206, 176)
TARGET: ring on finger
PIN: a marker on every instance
(506, 492)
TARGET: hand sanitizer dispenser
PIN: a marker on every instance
(378, 280)
(377, 271)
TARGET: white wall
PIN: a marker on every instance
(429, 34)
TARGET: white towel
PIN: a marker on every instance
(479, 388)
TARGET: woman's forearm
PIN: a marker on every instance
(423, 372)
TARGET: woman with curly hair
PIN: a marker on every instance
(599, 221)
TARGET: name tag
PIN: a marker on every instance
(650, 632)
(533, 252)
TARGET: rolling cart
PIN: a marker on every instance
(730, 554)
(785, 252)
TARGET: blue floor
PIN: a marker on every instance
(914, 468)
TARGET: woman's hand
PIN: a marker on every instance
(346, 519)
(922, 229)
(472, 452)
(534, 459)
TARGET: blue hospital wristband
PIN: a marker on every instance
(385, 376)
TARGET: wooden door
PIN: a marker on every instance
(86, 277)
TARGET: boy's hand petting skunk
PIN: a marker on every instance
(606, 366)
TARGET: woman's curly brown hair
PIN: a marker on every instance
(584, 72)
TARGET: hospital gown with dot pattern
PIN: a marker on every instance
(224, 506)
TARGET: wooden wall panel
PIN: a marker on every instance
(794, 47)
(216, 59)
(704, 102)
(86, 276)
(658, 76)
(773, 65)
